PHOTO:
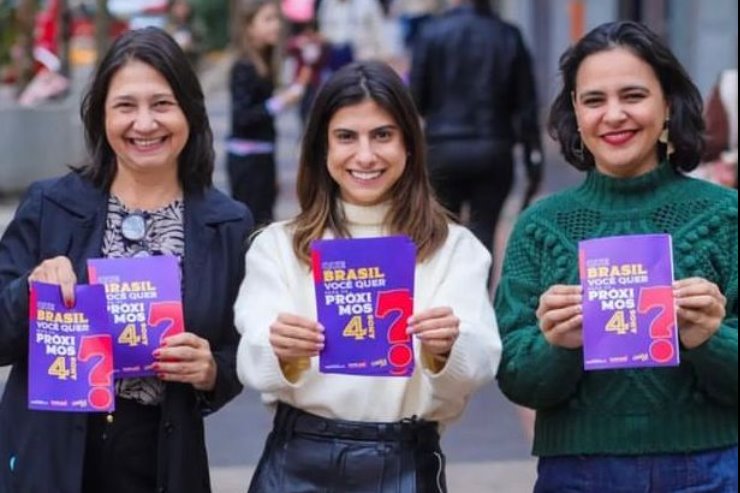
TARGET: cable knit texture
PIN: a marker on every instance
(686, 408)
(454, 276)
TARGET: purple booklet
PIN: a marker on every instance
(70, 353)
(364, 297)
(145, 305)
(629, 318)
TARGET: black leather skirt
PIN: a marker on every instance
(305, 453)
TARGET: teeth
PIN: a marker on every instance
(146, 142)
(365, 175)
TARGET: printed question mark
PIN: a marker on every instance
(169, 312)
(100, 395)
(400, 355)
(661, 327)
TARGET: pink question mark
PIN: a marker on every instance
(661, 327)
(100, 395)
(400, 355)
(169, 312)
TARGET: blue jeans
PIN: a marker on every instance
(714, 471)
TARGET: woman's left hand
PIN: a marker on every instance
(700, 309)
(436, 328)
(186, 358)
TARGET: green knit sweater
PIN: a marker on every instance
(687, 408)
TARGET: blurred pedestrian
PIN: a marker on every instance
(181, 26)
(254, 104)
(354, 29)
(629, 116)
(151, 157)
(720, 155)
(362, 174)
(413, 14)
(471, 77)
(310, 52)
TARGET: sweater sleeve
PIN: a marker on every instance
(477, 350)
(715, 362)
(533, 373)
(19, 250)
(264, 293)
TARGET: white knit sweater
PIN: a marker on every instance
(455, 276)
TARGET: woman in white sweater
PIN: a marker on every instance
(363, 174)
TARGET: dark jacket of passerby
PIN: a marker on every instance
(471, 77)
(472, 81)
(43, 451)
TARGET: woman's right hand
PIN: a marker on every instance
(560, 314)
(57, 270)
(293, 337)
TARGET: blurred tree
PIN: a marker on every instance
(213, 15)
(102, 27)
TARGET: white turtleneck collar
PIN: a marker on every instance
(364, 220)
(365, 215)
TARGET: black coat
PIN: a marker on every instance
(66, 216)
(471, 78)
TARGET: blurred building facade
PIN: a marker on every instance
(702, 33)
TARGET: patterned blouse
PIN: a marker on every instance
(165, 235)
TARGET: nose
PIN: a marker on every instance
(365, 154)
(144, 121)
(614, 112)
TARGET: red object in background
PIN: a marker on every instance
(46, 30)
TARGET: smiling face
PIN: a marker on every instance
(366, 154)
(621, 110)
(144, 124)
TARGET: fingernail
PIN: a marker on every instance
(156, 353)
(321, 328)
(161, 376)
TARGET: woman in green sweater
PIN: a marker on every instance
(629, 116)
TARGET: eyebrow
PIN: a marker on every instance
(597, 92)
(158, 95)
(390, 126)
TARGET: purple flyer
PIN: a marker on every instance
(629, 316)
(364, 297)
(145, 305)
(70, 353)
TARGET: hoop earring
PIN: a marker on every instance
(577, 147)
(665, 138)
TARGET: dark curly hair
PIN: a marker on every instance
(686, 125)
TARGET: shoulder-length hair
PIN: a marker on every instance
(266, 60)
(157, 49)
(686, 124)
(414, 211)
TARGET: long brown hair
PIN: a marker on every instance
(264, 60)
(414, 211)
